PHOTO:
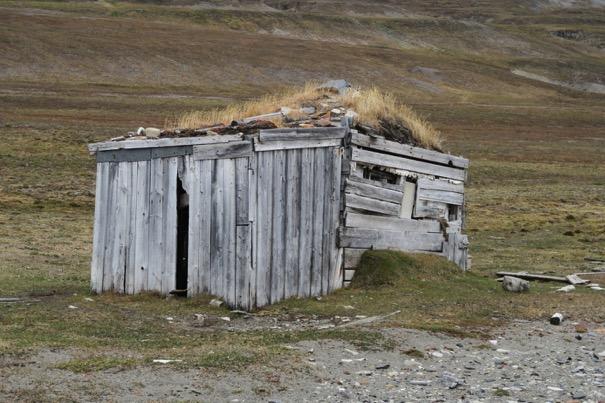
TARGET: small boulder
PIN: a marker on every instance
(515, 284)
(152, 132)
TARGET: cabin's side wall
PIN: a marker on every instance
(402, 197)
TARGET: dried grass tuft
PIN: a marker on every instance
(374, 108)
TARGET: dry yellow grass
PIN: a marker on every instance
(372, 106)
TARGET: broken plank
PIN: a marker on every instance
(164, 142)
(375, 192)
(529, 276)
(397, 240)
(369, 204)
(234, 149)
(358, 220)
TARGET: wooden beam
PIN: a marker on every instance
(380, 143)
(163, 142)
(529, 276)
(234, 149)
(382, 239)
(405, 164)
(375, 192)
(369, 204)
(357, 220)
(294, 144)
(297, 134)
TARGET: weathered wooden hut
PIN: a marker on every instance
(259, 218)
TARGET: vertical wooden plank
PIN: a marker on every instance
(293, 212)
(191, 184)
(335, 275)
(141, 236)
(156, 230)
(203, 248)
(170, 225)
(229, 233)
(133, 195)
(122, 223)
(409, 196)
(99, 229)
(252, 188)
(264, 220)
(241, 191)
(279, 220)
(217, 227)
(318, 221)
(328, 231)
(305, 251)
(110, 230)
(243, 262)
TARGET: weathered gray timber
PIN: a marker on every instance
(285, 213)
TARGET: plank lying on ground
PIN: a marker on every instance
(381, 239)
(405, 164)
(357, 220)
(529, 276)
(234, 149)
(575, 280)
(294, 144)
(164, 142)
(380, 143)
(316, 133)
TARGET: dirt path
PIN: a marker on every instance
(527, 361)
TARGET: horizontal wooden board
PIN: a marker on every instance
(384, 185)
(430, 209)
(298, 134)
(369, 204)
(357, 220)
(294, 144)
(441, 196)
(382, 239)
(372, 191)
(439, 184)
(349, 275)
(234, 149)
(163, 142)
(380, 143)
(405, 164)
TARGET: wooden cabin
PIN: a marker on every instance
(260, 218)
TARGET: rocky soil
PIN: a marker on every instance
(526, 361)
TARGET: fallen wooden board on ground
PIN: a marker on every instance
(575, 280)
(529, 276)
(370, 319)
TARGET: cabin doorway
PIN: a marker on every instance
(182, 238)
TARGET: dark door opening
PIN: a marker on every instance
(182, 238)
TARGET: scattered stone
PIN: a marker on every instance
(581, 328)
(152, 132)
(556, 319)
(364, 373)
(493, 342)
(216, 302)
(502, 351)
(163, 361)
(89, 299)
(420, 382)
(383, 366)
(578, 395)
(141, 131)
(554, 389)
(514, 284)
(352, 352)
(226, 318)
(308, 109)
(578, 337)
(169, 318)
(450, 380)
(436, 354)
(567, 288)
(72, 307)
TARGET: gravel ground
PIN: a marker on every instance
(526, 361)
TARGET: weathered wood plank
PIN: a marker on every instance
(380, 143)
(372, 191)
(203, 248)
(163, 142)
(352, 258)
(294, 144)
(329, 228)
(229, 240)
(122, 223)
(141, 260)
(293, 213)
(99, 229)
(278, 262)
(156, 229)
(191, 183)
(299, 134)
(409, 198)
(305, 251)
(217, 229)
(243, 266)
(264, 223)
(441, 196)
(252, 198)
(133, 195)
(234, 149)
(357, 220)
(440, 184)
(335, 275)
(384, 185)
(170, 225)
(430, 209)
(368, 204)
(318, 221)
(242, 203)
(349, 275)
(382, 239)
(405, 164)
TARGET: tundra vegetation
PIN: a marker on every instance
(76, 72)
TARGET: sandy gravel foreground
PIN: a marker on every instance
(527, 361)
